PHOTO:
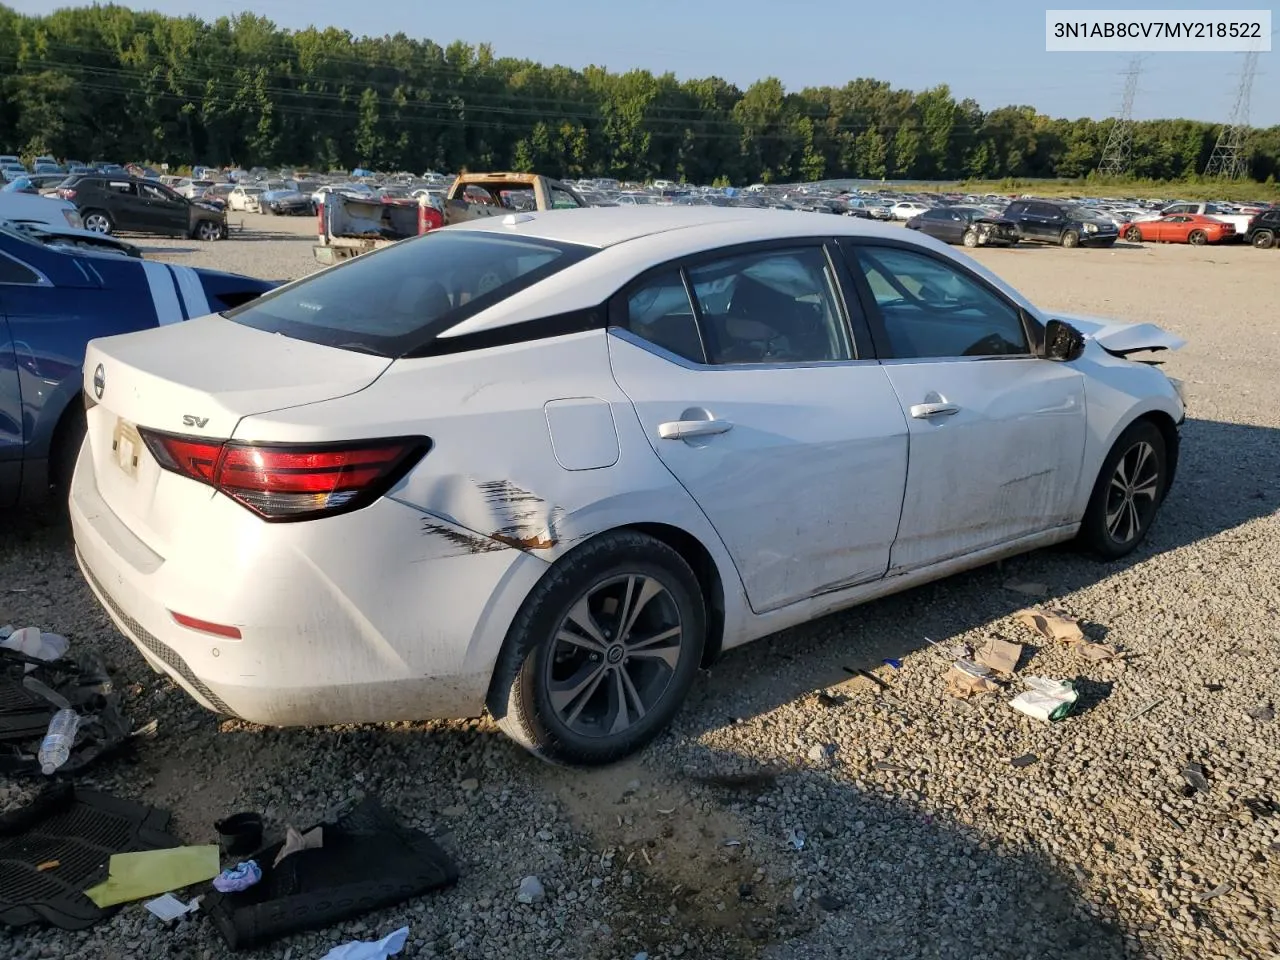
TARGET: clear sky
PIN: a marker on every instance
(990, 50)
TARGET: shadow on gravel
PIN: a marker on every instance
(1228, 475)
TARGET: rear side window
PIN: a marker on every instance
(399, 298)
(11, 271)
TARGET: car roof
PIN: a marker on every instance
(602, 227)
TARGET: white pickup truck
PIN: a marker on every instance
(1238, 220)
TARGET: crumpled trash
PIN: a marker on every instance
(1100, 651)
(388, 946)
(1193, 773)
(1046, 699)
(240, 877)
(169, 907)
(32, 642)
(1052, 624)
(294, 841)
(963, 684)
(145, 873)
(796, 838)
(1000, 655)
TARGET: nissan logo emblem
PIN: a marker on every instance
(99, 381)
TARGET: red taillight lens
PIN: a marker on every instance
(66, 193)
(291, 482)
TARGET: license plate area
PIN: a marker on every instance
(126, 447)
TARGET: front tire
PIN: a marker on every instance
(1128, 492)
(1071, 239)
(602, 653)
(1133, 235)
(208, 231)
(971, 238)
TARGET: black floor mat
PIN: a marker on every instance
(79, 829)
(368, 861)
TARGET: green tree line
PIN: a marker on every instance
(106, 82)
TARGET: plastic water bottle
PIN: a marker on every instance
(55, 749)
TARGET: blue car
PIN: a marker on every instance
(58, 290)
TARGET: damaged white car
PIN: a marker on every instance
(552, 463)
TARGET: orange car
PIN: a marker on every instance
(1193, 228)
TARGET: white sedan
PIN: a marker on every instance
(552, 463)
(906, 209)
(245, 199)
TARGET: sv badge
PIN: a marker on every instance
(190, 421)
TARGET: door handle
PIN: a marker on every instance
(925, 411)
(683, 429)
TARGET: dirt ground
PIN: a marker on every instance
(923, 841)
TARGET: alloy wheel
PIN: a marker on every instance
(98, 223)
(208, 231)
(1133, 493)
(615, 654)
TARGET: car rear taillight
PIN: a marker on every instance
(66, 193)
(290, 481)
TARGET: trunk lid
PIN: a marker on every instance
(197, 379)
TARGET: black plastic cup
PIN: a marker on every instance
(240, 833)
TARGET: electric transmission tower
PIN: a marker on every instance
(1230, 157)
(1119, 148)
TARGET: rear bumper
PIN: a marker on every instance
(358, 619)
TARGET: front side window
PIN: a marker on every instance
(396, 299)
(930, 309)
(777, 306)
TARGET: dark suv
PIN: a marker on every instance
(1264, 229)
(108, 203)
(1064, 223)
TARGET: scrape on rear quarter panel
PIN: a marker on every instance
(492, 476)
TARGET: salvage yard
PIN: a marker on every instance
(820, 795)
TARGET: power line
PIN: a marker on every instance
(1119, 149)
(1230, 157)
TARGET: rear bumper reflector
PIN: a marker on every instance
(206, 626)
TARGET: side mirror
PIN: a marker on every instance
(1062, 342)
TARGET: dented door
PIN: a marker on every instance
(996, 448)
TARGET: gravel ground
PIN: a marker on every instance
(923, 840)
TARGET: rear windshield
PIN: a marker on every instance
(394, 300)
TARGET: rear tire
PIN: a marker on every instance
(1128, 492)
(1070, 239)
(98, 221)
(1264, 240)
(1197, 238)
(560, 698)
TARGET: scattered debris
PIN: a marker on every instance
(1220, 890)
(829, 699)
(1261, 806)
(796, 837)
(963, 683)
(1047, 700)
(1214, 687)
(295, 841)
(1052, 624)
(732, 842)
(54, 847)
(1263, 712)
(1194, 774)
(33, 642)
(1027, 588)
(1100, 651)
(1145, 708)
(893, 662)
(146, 873)
(866, 675)
(887, 767)
(764, 777)
(745, 890)
(169, 908)
(240, 833)
(59, 738)
(828, 903)
(388, 946)
(1000, 656)
(368, 862)
(531, 890)
(240, 877)
(1026, 760)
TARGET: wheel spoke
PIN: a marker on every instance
(663, 646)
(618, 701)
(577, 640)
(1144, 451)
(1122, 474)
(632, 694)
(1113, 519)
(580, 616)
(576, 691)
(635, 603)
(1148, 489)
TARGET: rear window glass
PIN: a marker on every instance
(399, 298)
